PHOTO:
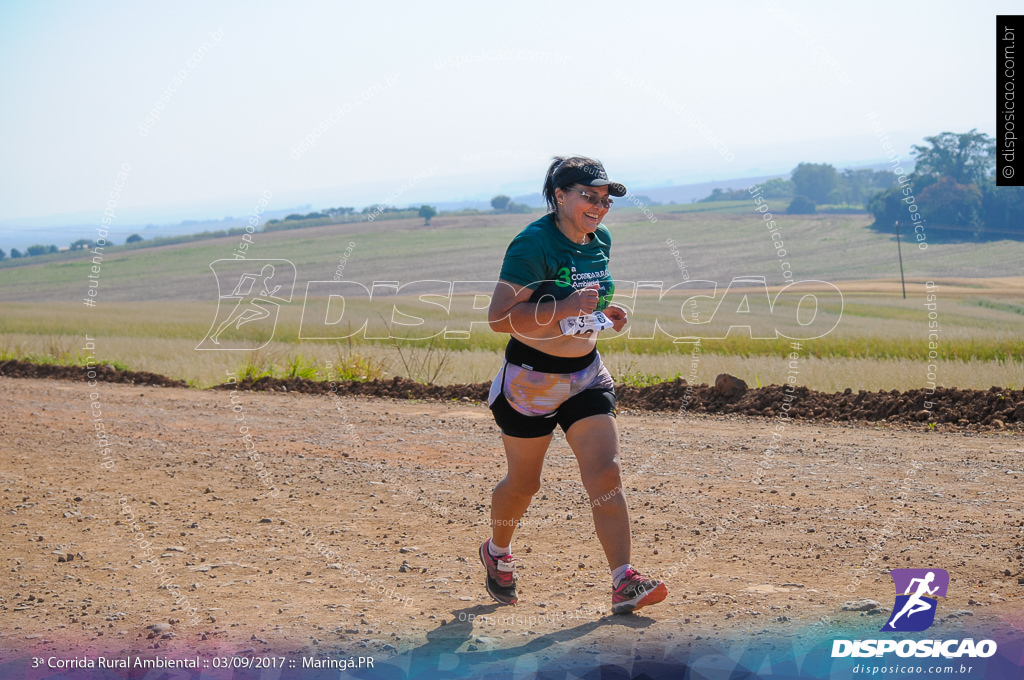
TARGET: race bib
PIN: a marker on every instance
(585, 323)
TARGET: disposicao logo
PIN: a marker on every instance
(257, 288)
(917, 593)
(914, 610)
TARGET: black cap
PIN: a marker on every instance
(590, 175)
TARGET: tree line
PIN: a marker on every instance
(505, 204)
(814, 184)
(40, 249)
(331, 215)
(952, 186)
(347, 214)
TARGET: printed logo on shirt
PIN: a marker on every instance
(568, 276)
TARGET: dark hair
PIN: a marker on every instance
(561, 163)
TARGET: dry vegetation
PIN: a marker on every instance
(156, 305)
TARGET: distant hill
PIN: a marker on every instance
(710, 246)
(46, 230)
(675, 193)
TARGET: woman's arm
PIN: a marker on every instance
(510, 310)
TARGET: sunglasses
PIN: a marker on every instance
(593, 199)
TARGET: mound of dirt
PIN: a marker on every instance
(103, 373)
(995, 407)
(396, 388)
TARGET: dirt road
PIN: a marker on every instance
(361, 538)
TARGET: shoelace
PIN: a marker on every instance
(506, 558)
(633, 576)
(510, 573)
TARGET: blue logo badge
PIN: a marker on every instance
(914, 609)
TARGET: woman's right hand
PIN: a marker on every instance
(582, 301)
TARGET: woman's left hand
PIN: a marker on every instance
(617, 315)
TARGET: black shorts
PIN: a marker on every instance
(585, 404)
(598, 398)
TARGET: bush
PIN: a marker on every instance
(426, 212)
(947, 202)
(778, 188)
(134, 238)
(719, 194)
(817, 181)
(1002, 211)
(800, 205)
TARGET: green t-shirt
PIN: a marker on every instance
(541, 258)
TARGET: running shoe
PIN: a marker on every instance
(501, 577)
(636, 591)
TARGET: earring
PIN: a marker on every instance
(560, 203)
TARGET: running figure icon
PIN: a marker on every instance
(917, 592)
(250, 294)
(255, 311)
(915, 604)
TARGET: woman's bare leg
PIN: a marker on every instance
(595, 443)
(512, 495)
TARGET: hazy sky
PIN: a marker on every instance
(673, 91)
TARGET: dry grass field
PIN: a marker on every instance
(156, 305)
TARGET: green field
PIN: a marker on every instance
(155, 305)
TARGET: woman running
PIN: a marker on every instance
(553, 299)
